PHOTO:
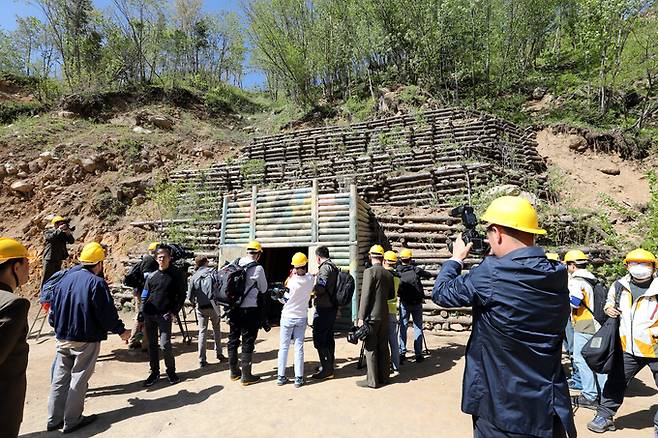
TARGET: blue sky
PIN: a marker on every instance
(21, 8)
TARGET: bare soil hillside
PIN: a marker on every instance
(589, 173)
(98, 173)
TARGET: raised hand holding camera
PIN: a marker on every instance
(461, 249)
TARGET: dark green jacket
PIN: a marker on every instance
(376, 289)
(56, 241)
(13, 360)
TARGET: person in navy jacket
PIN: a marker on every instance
(514, 383)
(82, 312)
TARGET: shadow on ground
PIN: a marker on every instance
(137, 408)
(637, 420)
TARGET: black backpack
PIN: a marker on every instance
(135, 278)
(603, 351)
(600, 297)
(230, 284)
(410, 290)
(345, 286)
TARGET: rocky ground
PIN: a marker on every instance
(423, 401)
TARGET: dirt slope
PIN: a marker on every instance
(584, 177)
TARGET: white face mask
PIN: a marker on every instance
(640, 272)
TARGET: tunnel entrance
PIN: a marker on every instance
(276, 262)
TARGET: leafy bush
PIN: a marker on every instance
(10, 111)
(226, 98)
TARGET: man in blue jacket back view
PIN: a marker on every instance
(514, 383)
(82, 312)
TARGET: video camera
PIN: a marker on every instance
(470, 235)
(277, 291)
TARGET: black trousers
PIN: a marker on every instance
(154, 324)
(378, 356)
(323, 328)
(49, 268)
(485, 429)
(618, 380)
(243, 325)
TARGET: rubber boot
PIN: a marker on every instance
(247, 377)
(327, 370)
(233, 365)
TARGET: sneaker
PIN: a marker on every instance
(420, 358)
(299, 381)
(600, 424)
(403, 358)
(151, 380)
(203, 364)
(135, 345)
(395, 373)
(173, 377)
(84, 420)
(281, 380)
(221, 358)
(583, 402)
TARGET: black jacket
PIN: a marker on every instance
(164, 292)
(325, 285)
(411, 288)
(56, 241)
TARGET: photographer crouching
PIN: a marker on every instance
(514, 383)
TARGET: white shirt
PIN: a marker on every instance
(296, 305)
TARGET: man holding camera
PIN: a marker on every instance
(376, 289)
(55, 251)
(514, 382)
(245, 320)
(163, 297)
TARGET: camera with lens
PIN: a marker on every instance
(470, 234)
(277, 291)
(356, 334)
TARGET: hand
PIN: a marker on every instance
(359, 322)
(460, 249)
(612, 312)
(125, 336)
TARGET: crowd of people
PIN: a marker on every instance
(515, 384)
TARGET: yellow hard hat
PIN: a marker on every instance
(12, 249)
(377, 250)
(92, 253)
(153, 246)
(299, 260)
(254, 245)
(513, 212)
(57, 219)
(405, 253)
(640, 255)
(390, 256)
(553, 256)
(575, 255)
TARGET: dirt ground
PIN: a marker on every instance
(423, 401)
